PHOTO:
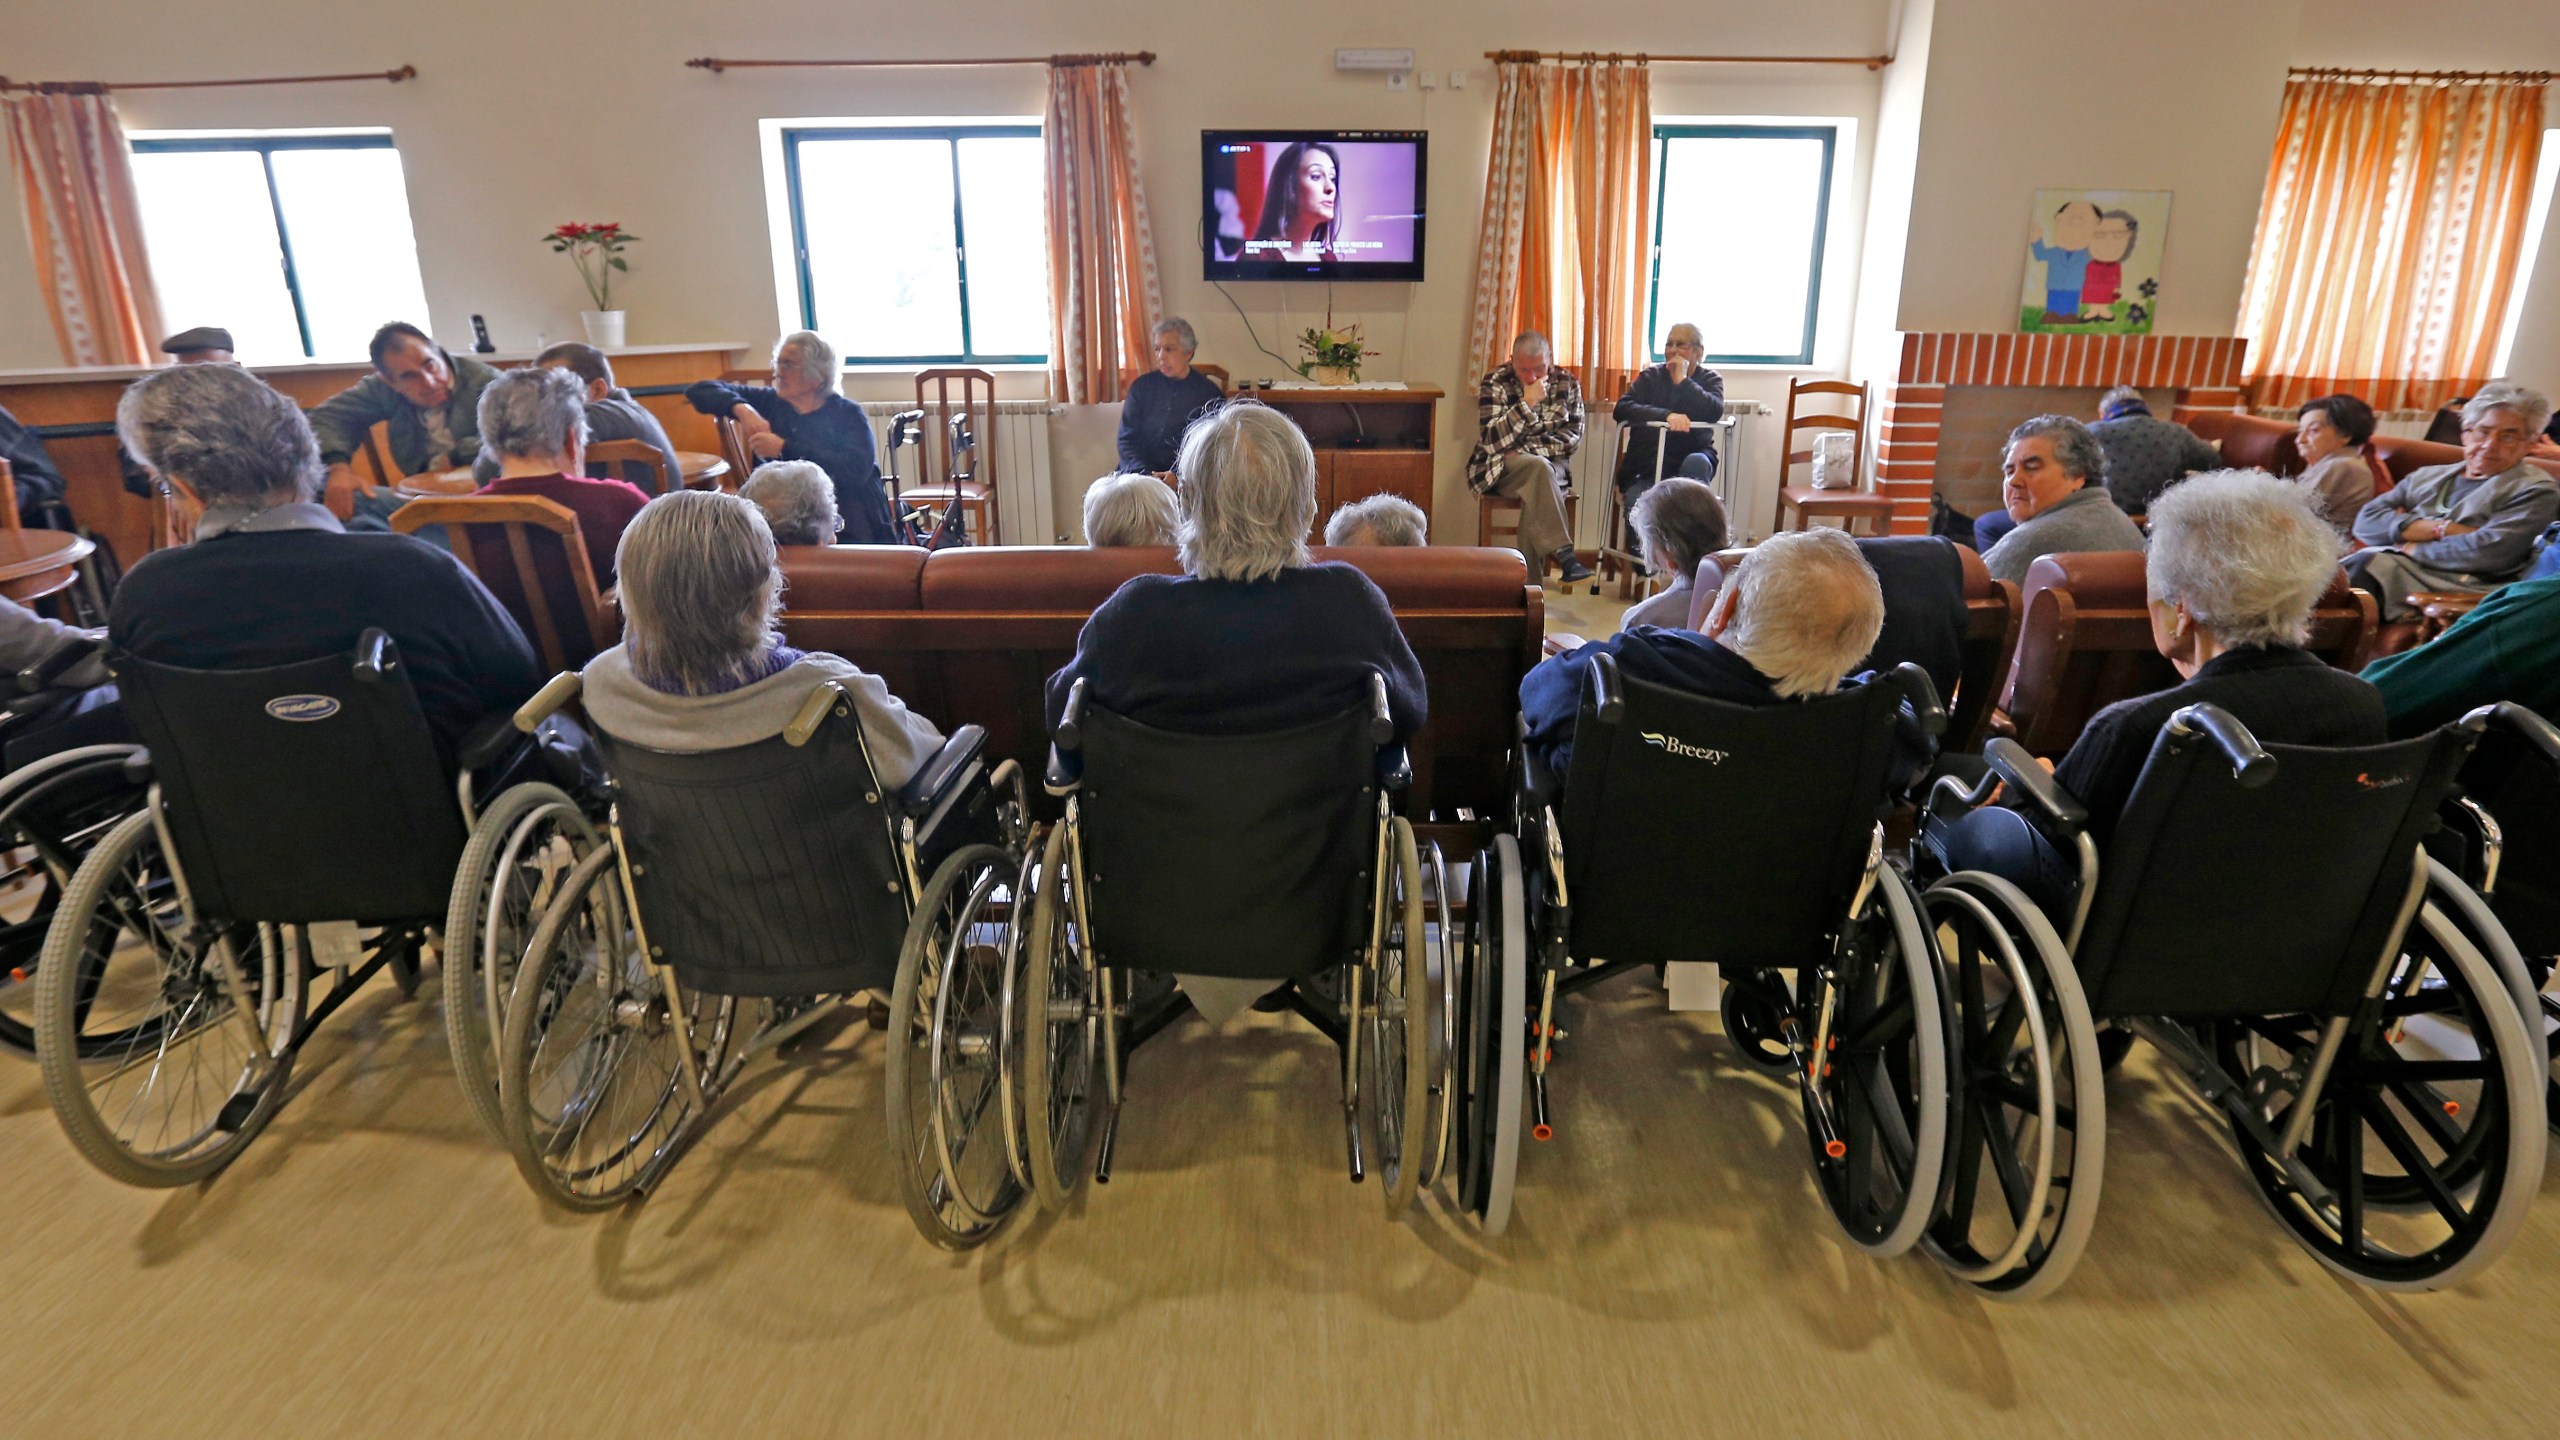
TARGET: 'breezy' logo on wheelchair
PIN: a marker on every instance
(1674, 745)
(302, 708)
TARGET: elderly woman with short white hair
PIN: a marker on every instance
(1388, 520)
(1252, 636)
(1684, 397)
(798, 501)
(1130, 510)
(702, 665)
(2238, 559)
(2466, 527)
(1678, 523)
(802, 416)
(1162, 403)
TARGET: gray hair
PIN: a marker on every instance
(1179, 329)
(1533, 342)
(2247, 554)
(1682, 522)
(2074, 448)
(524, 414)
(1673, 335)
(817, 362)
(223, 433)
(1248, 493)
(1807, 608)
(798, 501)
(701, 591)
(2121, 393)
(2531, 406)
(1136, 509)
(1385, 519)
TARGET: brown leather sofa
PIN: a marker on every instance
(2253, 442)
(970, 636)
(2086, 643)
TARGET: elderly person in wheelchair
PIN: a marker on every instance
(2233, 871)
(1228, 744)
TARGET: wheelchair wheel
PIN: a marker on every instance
(1496, 1029)
(1877, 1112)
(1397, 1091)
(525, 844)
(590, 1069)
(51, 813)
(946, 1055)
(181, 1089)
(1444, 976)
(2428, 1136)
(1061, 1033)
(2029, 1145)
(2480, 925)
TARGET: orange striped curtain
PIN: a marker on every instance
(84, 223)
(2388, 239)
(1104, 295)
(1567, 215)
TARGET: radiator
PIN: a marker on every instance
(1018, 448)
(1595, 470)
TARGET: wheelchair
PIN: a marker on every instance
(2371, 1057)
(2502, 837)
(1693, 829)
(739, 898)
(182, 969)
(1275, 859)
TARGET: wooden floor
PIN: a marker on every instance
(375, 1267)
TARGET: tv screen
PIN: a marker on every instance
(1311, 204)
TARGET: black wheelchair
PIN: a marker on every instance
(2267, 919)
(2502, 836)
(1275, 859)
(740, 897)
(1751, 838)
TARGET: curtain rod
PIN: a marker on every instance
(1143, 57)
(94, 87)
(2509, 77)
(1872, 62)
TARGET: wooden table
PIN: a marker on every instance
(37, 563)
(701, 472)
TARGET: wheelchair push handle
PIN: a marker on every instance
(2013, 764)
(1922, 692)
(1382, 719)
(2531, 728)
(1608, 694)
(59, 661)
(559, 690)
(2251, 765)
(1070, 735)
(376, 656)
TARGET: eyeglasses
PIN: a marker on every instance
(2501, 437)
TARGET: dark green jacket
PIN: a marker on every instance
(2507, 649)
(342, 420)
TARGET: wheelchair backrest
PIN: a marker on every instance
(2219, 900)
(299, 793)
(1695, 829)
(766, 869)
(1235, 855)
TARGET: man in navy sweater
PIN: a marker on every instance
(274, 579)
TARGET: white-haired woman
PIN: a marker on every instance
(1251, 637)
(2237, 560)
(1678, 523)
(1164, 401)
(1388, 520)
(533, 422)
(802, 416)
(2464, 527)
(798, 501)
(1130, 510)
(702, 666)
(1682, 394)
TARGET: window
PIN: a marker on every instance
(921, 245)
(298, 244)
(1739, 213)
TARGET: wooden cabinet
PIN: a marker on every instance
(1367, 442)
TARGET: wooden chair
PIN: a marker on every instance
(1848, 506)
(1219, 374)
(9, 497)
(733, 448)
(981, 508)
(621, 453)
(530, 554)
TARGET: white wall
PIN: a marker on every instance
(524, 116)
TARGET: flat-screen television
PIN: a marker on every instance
(1311, 204)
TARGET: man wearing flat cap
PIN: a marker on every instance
(204, 345)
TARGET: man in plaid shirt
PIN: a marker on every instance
(1530, 418)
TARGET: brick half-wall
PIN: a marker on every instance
(2204, 370)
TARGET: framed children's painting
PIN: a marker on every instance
(2093, 261)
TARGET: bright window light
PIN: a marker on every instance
(2537, 226)
(1740, 213)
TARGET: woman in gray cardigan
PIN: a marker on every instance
(701, 665)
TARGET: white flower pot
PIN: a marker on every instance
(604, 327)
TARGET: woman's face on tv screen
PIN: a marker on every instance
(1315, 185)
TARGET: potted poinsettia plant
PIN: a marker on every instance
(597, 252)
(1333, 355)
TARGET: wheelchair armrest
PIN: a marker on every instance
(58, 662)
(2011, 762)
(924, 789)
(2251, 765)
(1956, 783)
(376, 656)
(1540, 786)
(488, 742)
(1070, 735)
(138, 771)
(2532, 728)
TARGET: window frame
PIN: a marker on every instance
(265, 148)
(1826, 132)
(793, 136)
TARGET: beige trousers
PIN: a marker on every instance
(1532, 481)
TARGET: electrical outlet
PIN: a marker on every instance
(1428, 79)
(1398, 80)
(1457, 79)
